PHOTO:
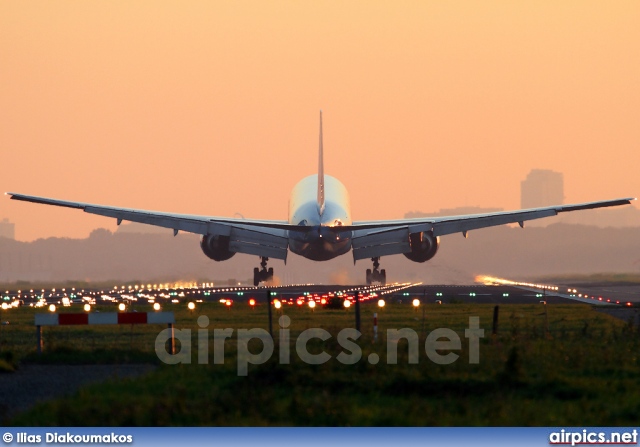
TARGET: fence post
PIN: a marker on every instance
(358, 311)
(495, 320)
(39, 339)
(269, 306)
(173, 340)
(375, 327)
(546, 318)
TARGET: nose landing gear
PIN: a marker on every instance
(262, 275)
(375, 275)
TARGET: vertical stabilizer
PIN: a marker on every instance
(320, 173)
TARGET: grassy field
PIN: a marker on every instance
(584, 371)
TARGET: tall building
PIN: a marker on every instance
(7, 229)
(542, 187)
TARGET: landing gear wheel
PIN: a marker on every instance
(375, 275)
(262, 274)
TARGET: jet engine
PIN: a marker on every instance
(424, 246)
(216, 247)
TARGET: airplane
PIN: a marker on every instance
(320, 227)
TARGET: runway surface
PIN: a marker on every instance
(497, 293)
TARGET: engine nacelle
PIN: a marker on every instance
(216, 247)
(424, 246)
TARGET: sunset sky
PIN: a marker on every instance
(212, 108)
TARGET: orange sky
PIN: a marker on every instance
(212, 107)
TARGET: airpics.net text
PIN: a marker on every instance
(436, 342)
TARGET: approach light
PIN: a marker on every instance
(277, 304)
(252, 302)
(87, 307)
(156, 306)
(312, 304)
(191, 305)
(381, 303)
(347, 304)
(121, 307)
(52, 308)
(323, 301)
(416, 302)
(5, 306)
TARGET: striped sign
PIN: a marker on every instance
(67, 319)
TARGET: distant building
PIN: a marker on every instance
(616, 217)
(139, 228)
(7, 229)
(542, 187)
(452, 212)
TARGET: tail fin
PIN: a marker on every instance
(320, 173)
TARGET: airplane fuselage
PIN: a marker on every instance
(318, 243)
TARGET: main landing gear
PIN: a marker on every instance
(375, 275)
(262, 275)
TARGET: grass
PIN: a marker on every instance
(583, 371)
(7, 362)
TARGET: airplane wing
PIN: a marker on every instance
(381, 238)
(269, 237)
(257, 237)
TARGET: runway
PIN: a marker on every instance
(399, 293)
